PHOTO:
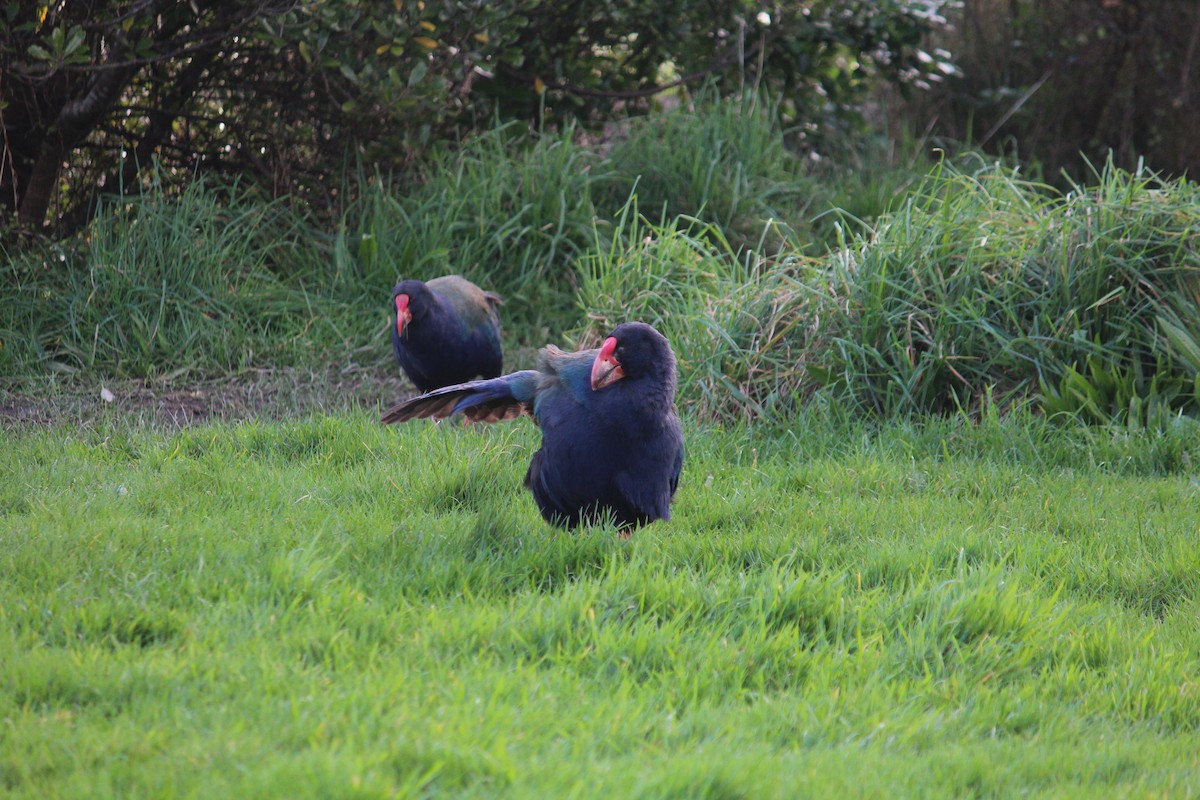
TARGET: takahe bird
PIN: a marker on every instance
(446, 331)
(611, 441)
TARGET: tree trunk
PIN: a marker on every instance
(35, 200)
(75, 121)
(162, 117)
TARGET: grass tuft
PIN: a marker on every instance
(970, 291)
(983, 288)
(211, 280)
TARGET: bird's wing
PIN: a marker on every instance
(475, 308)
(492, 400)
(570, 371)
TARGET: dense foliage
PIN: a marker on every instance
(95, 93)
(975, 289)
(985, 287)
(1047, 80)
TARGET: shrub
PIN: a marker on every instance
(981, 290)
(724, 162)
(985, 283)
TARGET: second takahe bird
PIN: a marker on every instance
(446, 331)
(611, 440)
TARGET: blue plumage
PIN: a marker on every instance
(611, 439)
(445, 331)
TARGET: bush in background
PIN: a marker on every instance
(510, 213)
(517, 213)
(514, 212)
(723, 162)
(983, 286)
(976, 290)
(1049, 80)
(211, 281)
(282, 93)
(739, 323)
(981, 291)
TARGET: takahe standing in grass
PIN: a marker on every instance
(446, 331)
(611, 441)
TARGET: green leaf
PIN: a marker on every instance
(368, 248)
(417, 74)
(1184, 345)
(74, 40)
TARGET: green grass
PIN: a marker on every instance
(989, 602)
(977, 289)
(330, 608)
(967, 288)
(211, 282)
(981, 286)
(216, 280)
(738, 323)
(511, 215)
(725, 163)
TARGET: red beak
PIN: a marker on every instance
(606, 369)
(403, 315)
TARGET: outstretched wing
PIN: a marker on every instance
(494, 400)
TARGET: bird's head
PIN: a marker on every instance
(634, 350)
(407, 301)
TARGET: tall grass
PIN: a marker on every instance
(511, 214)
(979, 290)
(983, 285)
(215, 281)
(210, 281)
(738, 323)
(723, 162)
(520, 215)
(972, 288)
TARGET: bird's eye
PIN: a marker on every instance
(621, 350)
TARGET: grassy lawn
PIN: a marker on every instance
(844, 604)
(330, 608)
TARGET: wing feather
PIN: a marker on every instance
(437, 404)
(493, 400)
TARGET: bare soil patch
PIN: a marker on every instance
(174, 403)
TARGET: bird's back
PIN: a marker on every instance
(475, 308)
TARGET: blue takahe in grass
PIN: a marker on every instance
(445, 331)
(611, 440)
